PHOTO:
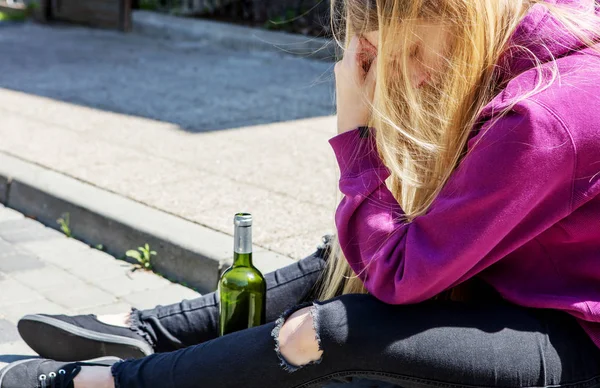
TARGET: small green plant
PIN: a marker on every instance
(143, 255)
(99, 247)
(64, 222)
(16, 16)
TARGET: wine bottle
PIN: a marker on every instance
(242, 288)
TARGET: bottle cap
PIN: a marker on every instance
(242, 219)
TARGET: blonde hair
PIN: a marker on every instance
(421, 134)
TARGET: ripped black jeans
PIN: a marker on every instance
(365, 343)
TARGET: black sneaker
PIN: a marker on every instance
(81, 337)
(41, 373)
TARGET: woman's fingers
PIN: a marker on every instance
(352, 50)
(351, 55)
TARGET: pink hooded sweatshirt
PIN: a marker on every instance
(521, 211)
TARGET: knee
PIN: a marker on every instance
(298, 340)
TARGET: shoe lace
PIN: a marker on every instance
(57, 380)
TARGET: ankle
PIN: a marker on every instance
(94, 377)
(121, 320)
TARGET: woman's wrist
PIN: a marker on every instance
(356, 152)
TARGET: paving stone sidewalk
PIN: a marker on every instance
(42, 271)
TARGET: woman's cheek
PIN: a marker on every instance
(421, 79)
(419, 76)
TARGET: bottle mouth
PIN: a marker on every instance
(242, 219)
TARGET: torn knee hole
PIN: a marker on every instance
(297, 341)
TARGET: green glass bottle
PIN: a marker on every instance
(242, 288)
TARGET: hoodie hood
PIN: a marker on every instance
(540, 35)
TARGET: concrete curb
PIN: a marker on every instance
(187, 252)
(232, 36)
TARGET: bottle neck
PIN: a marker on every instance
(242, 247)
(242, 259)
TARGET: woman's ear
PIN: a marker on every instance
(367, 54)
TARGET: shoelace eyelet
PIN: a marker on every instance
(42, 380)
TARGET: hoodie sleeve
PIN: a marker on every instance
(512, 185)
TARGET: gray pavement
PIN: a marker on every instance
(187, 127)
(42, 271)
(195, 85)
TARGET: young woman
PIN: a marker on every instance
(469, 150)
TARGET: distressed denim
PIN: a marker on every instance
(365, 343)
(192, 322)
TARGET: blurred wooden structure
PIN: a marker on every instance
(110, 14)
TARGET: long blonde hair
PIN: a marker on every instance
(421, 134)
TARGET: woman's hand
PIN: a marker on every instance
(355, 77)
